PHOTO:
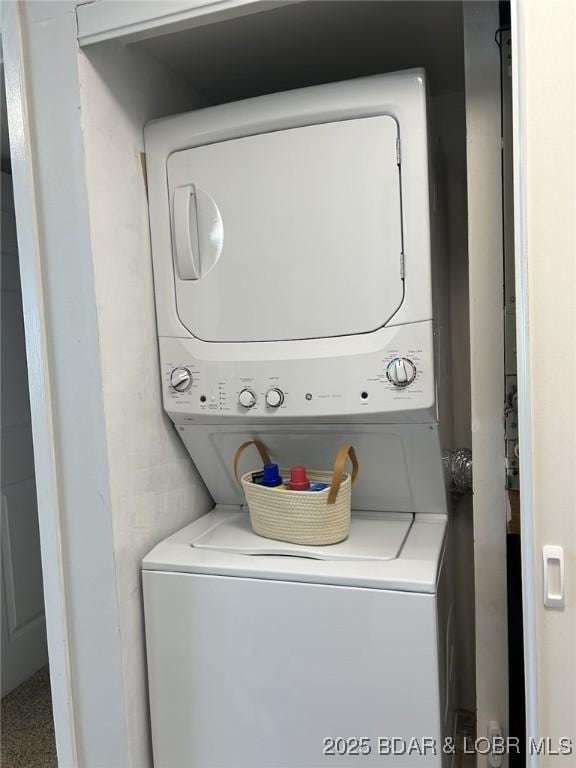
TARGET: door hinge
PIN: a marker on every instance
(398, 159)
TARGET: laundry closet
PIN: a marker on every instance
(214, 147)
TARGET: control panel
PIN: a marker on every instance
(397, 379)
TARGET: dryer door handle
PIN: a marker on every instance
(185, 232)
(198, 232)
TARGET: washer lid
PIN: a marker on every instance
(414, 568)
(372, 537)
(290, 234)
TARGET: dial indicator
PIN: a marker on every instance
(274, 397)
(401, 372)
(247, 398)
(181, 379)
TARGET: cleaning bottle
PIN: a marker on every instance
(271, 477)
(299, 481)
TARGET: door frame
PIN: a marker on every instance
(65, 383)
(40, 385)
(523, 366)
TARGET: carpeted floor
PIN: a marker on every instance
(27, 736)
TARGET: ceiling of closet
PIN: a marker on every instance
(317, 41)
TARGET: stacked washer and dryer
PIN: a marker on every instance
(294, 265)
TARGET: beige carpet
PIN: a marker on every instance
(27, 737)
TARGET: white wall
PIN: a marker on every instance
(154, 486)
(545, 212)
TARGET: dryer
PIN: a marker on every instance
(298, 293)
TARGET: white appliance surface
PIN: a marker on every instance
(304, 171)
(371, 538)
(400, 464)
(264, 662)
(418, 544)
(307, 220)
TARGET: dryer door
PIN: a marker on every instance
(294, 234)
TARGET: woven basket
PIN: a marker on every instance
(301, 517)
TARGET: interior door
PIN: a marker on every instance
(545, 188)
(291, 234)
(23, 629)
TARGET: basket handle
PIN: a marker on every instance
(262, 450)
(338, 472)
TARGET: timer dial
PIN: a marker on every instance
(247, 398)
(181, 379)
(274, 397)
(401, 372)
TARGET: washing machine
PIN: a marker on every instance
(299, 292)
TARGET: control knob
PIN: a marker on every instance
(401, 372)
(274, 397)
(181, 379)
(247, 398)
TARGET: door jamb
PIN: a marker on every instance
(40, 377)
(523, 363)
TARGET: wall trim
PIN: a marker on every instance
(40, 384)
